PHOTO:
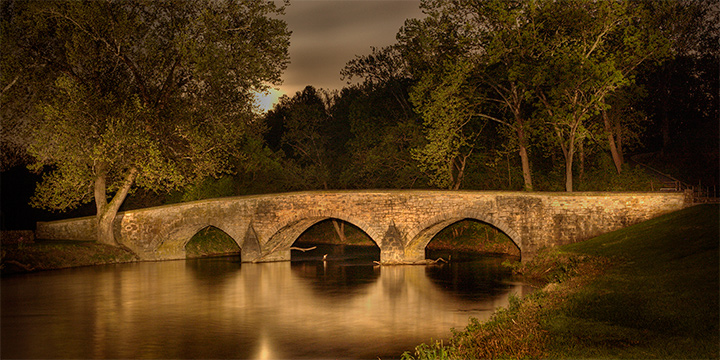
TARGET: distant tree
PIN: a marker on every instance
(623, 122)
(311, 142)
(382, 134)
(302, 124)
(683, 107)
(151, 94)
(683, 90)
(384, 127)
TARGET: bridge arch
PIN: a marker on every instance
(173, 243)
(285, 235)
(210, 239)
(425, 232)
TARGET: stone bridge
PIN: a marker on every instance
(400, 222)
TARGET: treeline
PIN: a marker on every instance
(512, 95)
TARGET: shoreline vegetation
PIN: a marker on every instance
(647, 291)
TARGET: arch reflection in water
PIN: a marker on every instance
(218, 308)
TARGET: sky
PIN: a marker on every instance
(326, 34)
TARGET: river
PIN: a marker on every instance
(344, 307)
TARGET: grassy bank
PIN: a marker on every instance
(48, 255)
(647, 291)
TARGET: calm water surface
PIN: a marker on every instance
(219, 308)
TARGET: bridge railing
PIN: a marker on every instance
(698, 194)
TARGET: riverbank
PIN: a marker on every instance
(49, 255)
(647, 291)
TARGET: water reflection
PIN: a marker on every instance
(219, 308)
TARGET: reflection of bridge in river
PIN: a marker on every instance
(217, 308)
(400, 222)
(401, 304)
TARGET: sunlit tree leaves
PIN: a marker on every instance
(143, 93)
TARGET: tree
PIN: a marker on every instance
(382, 121)
(693, 31)
(499, 37)
(441, 100)
(150, 94)
(22, 83)
(310, 140)
(302, 124)
(506, 49)
(623, 122)
(592, 50)
(436, 56)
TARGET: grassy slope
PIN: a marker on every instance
(647, 291)
(660, 300)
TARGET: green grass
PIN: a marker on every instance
(646, 291)
(659, 301)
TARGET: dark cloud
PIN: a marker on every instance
(328, 34)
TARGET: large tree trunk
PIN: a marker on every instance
(106, 212)
(524, 159)
(569, 171)
(568, 150)
(527, 174)
(614, 151)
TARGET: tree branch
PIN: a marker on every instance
(10, 85)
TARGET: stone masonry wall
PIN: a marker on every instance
(401, 222)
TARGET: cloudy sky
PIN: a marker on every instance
(326, 34)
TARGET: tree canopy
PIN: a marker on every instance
(147, 93)
(533, 59)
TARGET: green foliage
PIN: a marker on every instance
(603, 178)
(383, 129)
(441, 100)
(148, 93)
(542, 69)
(593, 50)
(302, 130)
(436, 350)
